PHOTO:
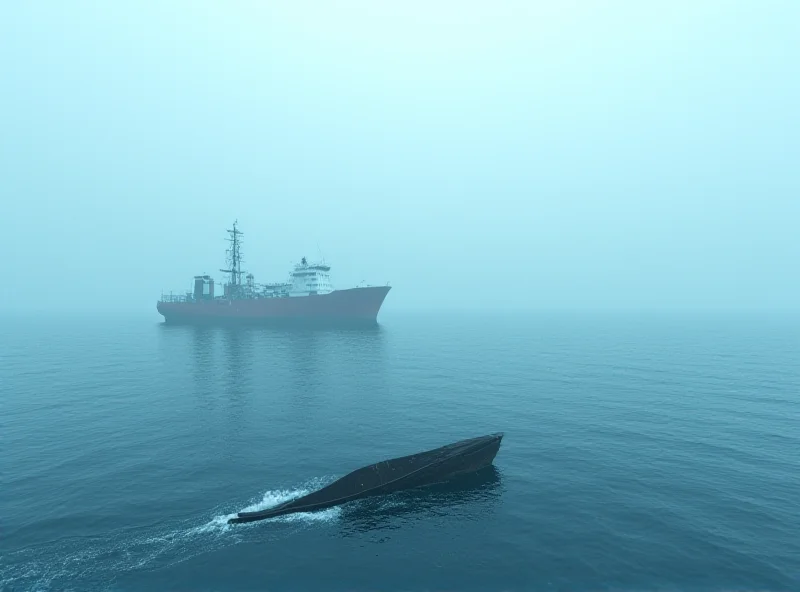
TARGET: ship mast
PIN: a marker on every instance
(234, 258)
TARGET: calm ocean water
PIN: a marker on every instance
(642, 452)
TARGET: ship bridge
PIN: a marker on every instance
(311, 278)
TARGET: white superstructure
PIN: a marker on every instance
(311, 278)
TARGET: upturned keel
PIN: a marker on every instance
(389, 476)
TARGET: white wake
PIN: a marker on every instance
(70, 562)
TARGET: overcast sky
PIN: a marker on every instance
(572, 154)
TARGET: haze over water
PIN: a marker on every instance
(525, 155)
(588, 212)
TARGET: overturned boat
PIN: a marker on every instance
(389, 476)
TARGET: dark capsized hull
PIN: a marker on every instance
(416, 470)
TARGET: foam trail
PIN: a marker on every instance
(67, 562)
(270, 499)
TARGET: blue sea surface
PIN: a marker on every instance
(641, 452)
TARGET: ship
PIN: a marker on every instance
(307, 296)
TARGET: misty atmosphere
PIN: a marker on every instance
(514, 156)
(476, 296)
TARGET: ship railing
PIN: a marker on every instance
(176, 298)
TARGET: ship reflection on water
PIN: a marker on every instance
(276, 360)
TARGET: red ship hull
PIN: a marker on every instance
(351, 305)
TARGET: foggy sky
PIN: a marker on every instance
(489, 155)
